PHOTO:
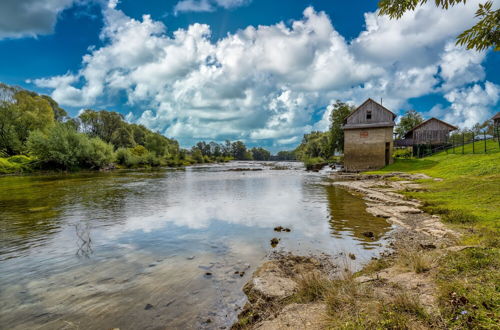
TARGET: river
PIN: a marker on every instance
(162, 249)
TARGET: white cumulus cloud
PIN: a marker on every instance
(271, 84)
(207, 5)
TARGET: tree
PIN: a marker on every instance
(122, 137)
(10, 143)
(339, 113)
(59, 113)
(101, 124)
(485, 34)
(259, 153)
(285, 155)
(239, 151)
(20, 114)
(315, 144)
(409, 120)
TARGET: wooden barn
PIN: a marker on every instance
(496, 120)
(433, 131)
(368, 138)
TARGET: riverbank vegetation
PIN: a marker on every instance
(37, 134)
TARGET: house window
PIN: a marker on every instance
(368, 115)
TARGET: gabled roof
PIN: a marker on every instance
(428, 120)
(497, 116)
(370, 100)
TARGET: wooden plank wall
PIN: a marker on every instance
(379, 114)
(432, 132)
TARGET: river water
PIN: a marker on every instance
(159, 249)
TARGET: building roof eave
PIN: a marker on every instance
(362, 126)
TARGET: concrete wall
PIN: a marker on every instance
(364, 149)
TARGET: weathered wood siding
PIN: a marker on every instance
(379, 114)
(432, 132)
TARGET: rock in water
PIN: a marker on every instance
(369, 234)
(274, 242)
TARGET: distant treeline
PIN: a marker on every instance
(237, 150)
(36, 133)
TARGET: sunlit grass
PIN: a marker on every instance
(468, 198)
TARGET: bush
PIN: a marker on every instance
(125, 157)
(137, 156)
(63, 147)
(99, 153)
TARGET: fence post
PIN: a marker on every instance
(484, 137)
(473, 138)
(453, 143)
(463, 143)
(498, 135)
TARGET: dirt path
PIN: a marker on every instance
(417, 244)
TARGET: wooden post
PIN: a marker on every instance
(463, 143)
(473, 151)
(484, 137)
(498, 135)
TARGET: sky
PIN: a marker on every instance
(264, 72)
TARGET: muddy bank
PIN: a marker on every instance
(279, 293)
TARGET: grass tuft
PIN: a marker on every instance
(417, 261)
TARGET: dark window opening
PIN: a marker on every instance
(368, 115)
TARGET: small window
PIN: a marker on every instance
(368, 115)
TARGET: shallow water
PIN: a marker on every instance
(132, 249)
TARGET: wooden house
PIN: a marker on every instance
(433, 131)
(368, 138)
(496, 120)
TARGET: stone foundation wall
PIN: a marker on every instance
(364, 149)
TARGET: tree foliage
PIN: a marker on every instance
(409, 120)
(65, 148)
(285, 155)
(484, 34)
(22, 112)
(339, 113)
(314, 145)
(259, 153)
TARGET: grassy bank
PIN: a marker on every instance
(469, 192)
(16, 165)
(468, 199)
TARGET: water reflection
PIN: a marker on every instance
(148, 237)
(348, 216)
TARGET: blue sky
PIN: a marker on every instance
(265, 72)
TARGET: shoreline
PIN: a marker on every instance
(276, 290)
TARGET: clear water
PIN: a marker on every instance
(131, 249)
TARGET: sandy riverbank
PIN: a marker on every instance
(316, 293)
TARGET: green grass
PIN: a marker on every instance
(468, 198)
(468, 281)
(470, 187)
(16, 164)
